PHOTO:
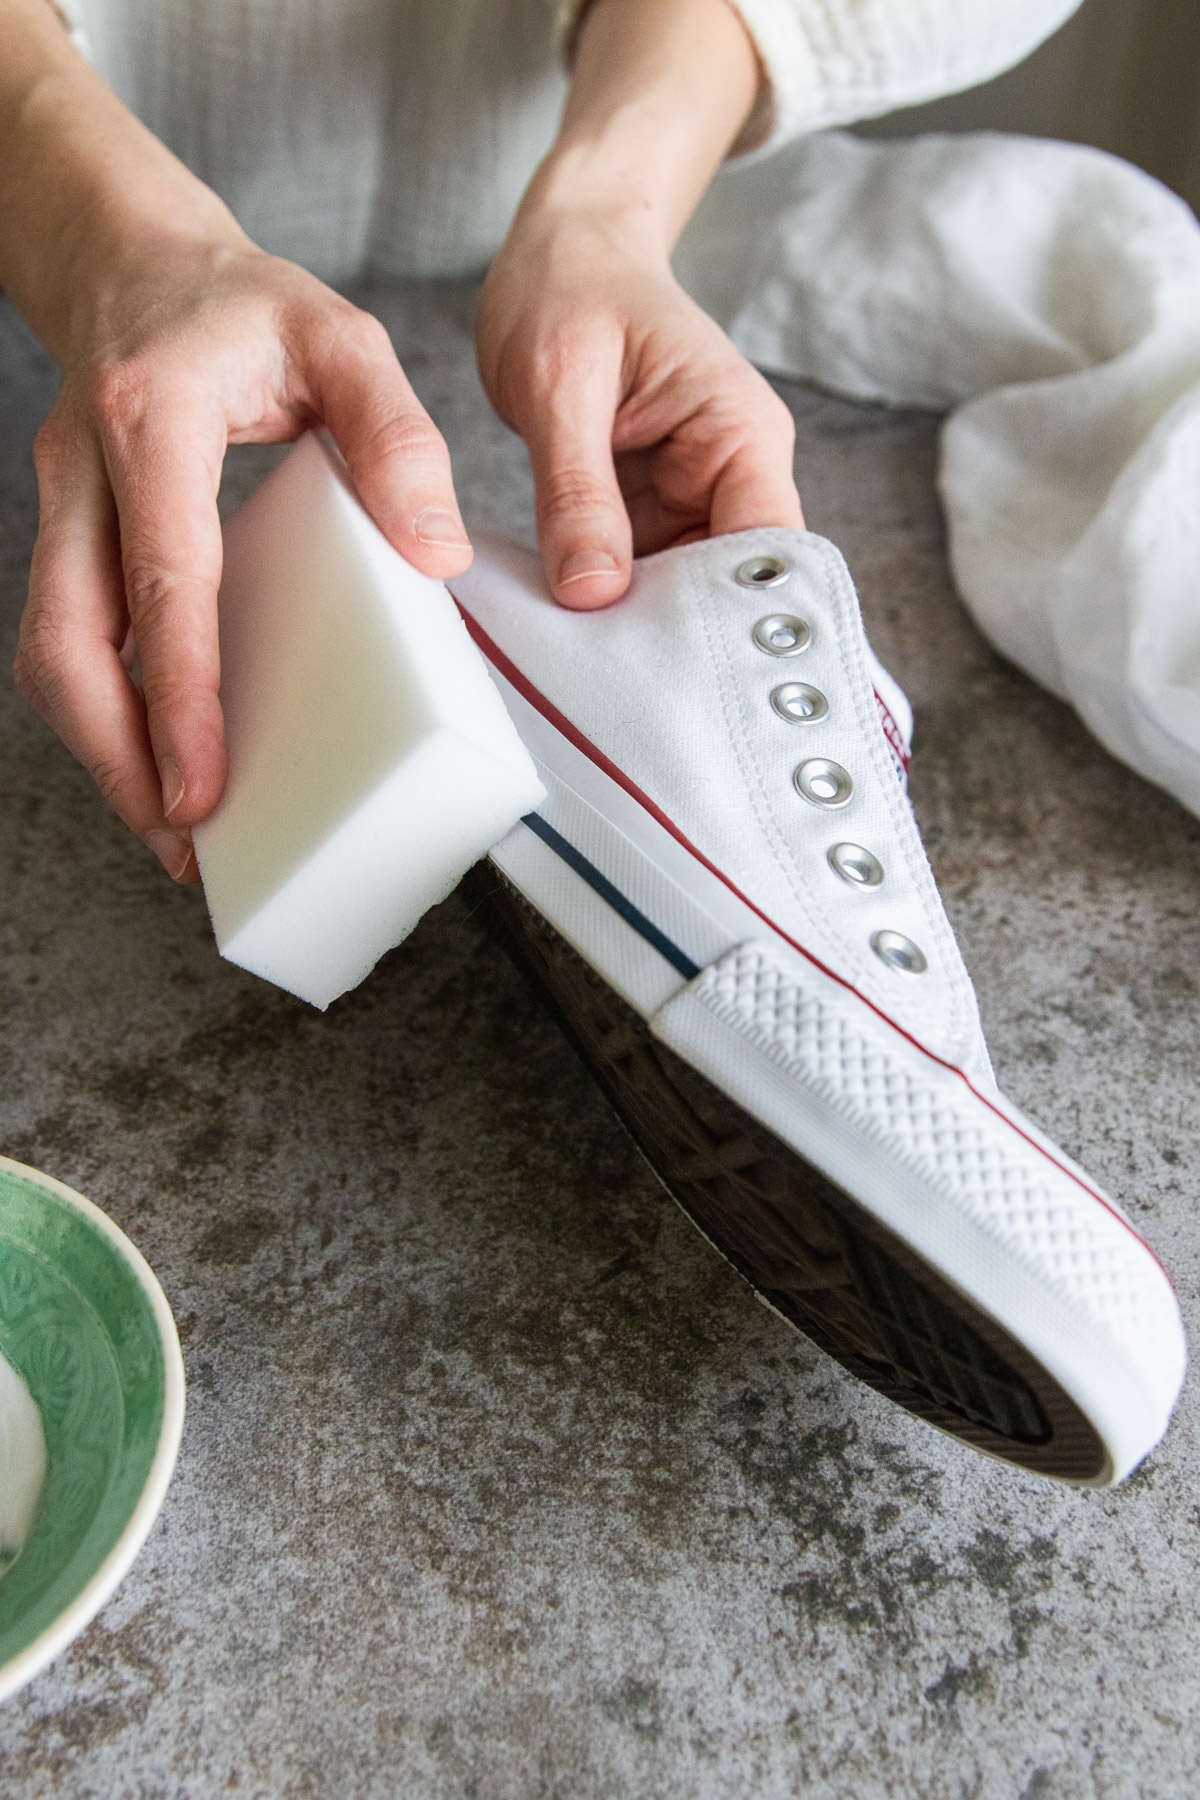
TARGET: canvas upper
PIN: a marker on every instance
(672, 686)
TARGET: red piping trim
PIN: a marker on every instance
(892, 732)
(605, 764)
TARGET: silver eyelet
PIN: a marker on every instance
(823, 783)
(899, 953)
(798, 703)
(762, 572)
(782, 634)
(856, 866)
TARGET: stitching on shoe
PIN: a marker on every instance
(962, 1025)
(964, 1015)
(991, 1177)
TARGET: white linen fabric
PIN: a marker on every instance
(1052, 294)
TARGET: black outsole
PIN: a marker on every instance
(807, 1247)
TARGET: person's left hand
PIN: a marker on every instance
(645, 427)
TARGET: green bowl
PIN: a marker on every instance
(85, 1326)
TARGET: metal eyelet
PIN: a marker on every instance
(799, 704)
(856, 866)
(782, 634)
(823, 783)
(762, 572)
(899, 953)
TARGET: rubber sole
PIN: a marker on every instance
(809, 1249)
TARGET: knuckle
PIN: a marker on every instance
(410, 436)
(111, 777)
(761, 436)
(572, 492)
(39, 665)
(42, 673)
(333, 326)
(572, 356)
(117, 395)
(166, 692)
(550, 366)
(551, 372)
(780, 415)
(773, 415)
(151, 591)
(369, 333)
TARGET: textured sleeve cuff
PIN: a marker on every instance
(791, 84)
(830, 62)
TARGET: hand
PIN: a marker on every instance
(645, 427)
(179, 352)
(175, 336)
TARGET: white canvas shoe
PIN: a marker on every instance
(726, 897)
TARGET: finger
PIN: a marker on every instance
(163, 455)
(396, 455)
(583, 526)
(659, 522)
(755, 485)
(69, 665)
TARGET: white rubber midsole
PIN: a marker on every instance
(1026, 1283)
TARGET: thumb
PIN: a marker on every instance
(583, 528)
(395, 453)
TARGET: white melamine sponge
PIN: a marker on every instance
(371, 760)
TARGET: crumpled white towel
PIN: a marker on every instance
(1051, 294)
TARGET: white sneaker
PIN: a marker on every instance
(726, 896)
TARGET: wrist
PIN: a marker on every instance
(85, 193)
(577, 192)
(659, 93)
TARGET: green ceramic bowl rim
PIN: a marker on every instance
(112, 1571)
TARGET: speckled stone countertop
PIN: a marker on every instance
(497, 1484)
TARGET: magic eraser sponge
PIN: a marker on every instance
(371, 759)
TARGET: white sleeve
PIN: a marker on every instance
(830, 62)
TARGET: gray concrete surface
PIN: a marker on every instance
(497, 1484)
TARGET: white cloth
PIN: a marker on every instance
(395, 137)
(1052, 294)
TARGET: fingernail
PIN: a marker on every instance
(173, 852)
(436, 526)
(583, 563)
(171, 776)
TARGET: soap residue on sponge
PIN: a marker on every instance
(22, 1463)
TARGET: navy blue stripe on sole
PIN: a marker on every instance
(645, 928)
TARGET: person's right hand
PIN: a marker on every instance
(175, 336)
(175, 351)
